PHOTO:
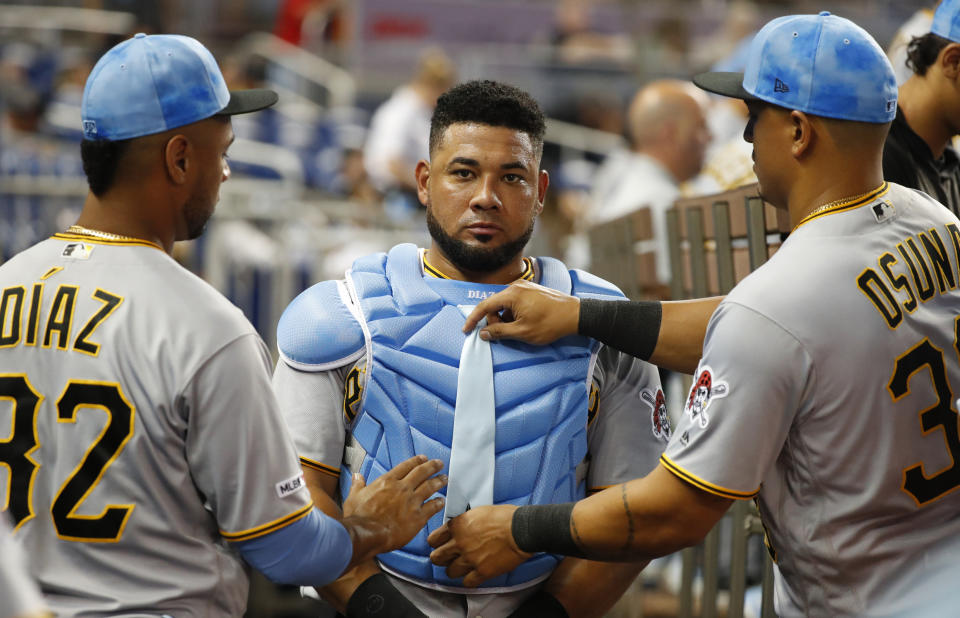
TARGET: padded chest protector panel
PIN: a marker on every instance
(541, 395)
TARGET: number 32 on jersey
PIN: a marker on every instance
(16, 455)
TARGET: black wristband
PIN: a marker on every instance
(541, 604)
(631, 326)
(376, 597)
(545, 527)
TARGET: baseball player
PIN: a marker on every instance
(375, 365)
(826, 390)
(145, 452)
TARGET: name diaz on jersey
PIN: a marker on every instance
(22, 322)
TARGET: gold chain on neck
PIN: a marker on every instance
(85, 231)
(843, 200)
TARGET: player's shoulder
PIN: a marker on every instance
(919, 204)
(182, 295)
(318, 330)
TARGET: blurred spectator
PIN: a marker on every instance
(669, 136)
(728, 163)
(400, 133)
(313, 24)
(577, 42)
(918, 25)
(918, 153)
(26, 150)
(731, 41)
(353, 182)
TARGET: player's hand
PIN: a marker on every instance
(386, 514)
(528, 312)
(477, 545)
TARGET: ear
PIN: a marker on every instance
(176, 156)
(422, 173)
(803, 134)
(543, 181)
(949, 60)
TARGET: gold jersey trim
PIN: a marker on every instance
(706, 486)
(316, 465)
(246, 535)
(847, 205)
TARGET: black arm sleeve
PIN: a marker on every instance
(631, 326)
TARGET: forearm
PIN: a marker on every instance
(668, 334)
(352, 589)
(338, 593)
(637, 521)
(313, 550)
(587, 588)
(683, 328)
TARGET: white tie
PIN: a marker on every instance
(472, 455)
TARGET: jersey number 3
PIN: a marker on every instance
(15, 455)
(941, 415)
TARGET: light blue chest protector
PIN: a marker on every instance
(413, 329)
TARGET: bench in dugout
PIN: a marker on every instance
(715, 241)
(622, 251)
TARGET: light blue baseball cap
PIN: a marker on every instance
(150, 84)
(946, 20)
(823, 65)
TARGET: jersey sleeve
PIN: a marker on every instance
(315, 406)
(239, 452)
(747, 392)
(631, 427)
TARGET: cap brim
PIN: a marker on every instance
(725, 83)
(245, 101)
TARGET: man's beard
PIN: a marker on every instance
(476, 259)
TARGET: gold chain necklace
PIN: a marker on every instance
(842, 200)
(85, 231)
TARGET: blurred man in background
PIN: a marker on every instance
(918, 25)
(400, 129)
(669, 137)
(918, 151)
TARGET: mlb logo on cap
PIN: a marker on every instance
(819, 64)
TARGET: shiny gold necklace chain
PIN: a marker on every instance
(85, 231)
(842, 200)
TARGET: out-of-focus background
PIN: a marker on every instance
(327, 174)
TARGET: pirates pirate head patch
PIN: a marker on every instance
(658, 413)
(706, 389)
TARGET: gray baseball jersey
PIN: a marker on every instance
(827, 390)
(142, 431)
(628, 427)
(19, 594)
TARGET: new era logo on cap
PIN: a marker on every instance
(779, 86)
